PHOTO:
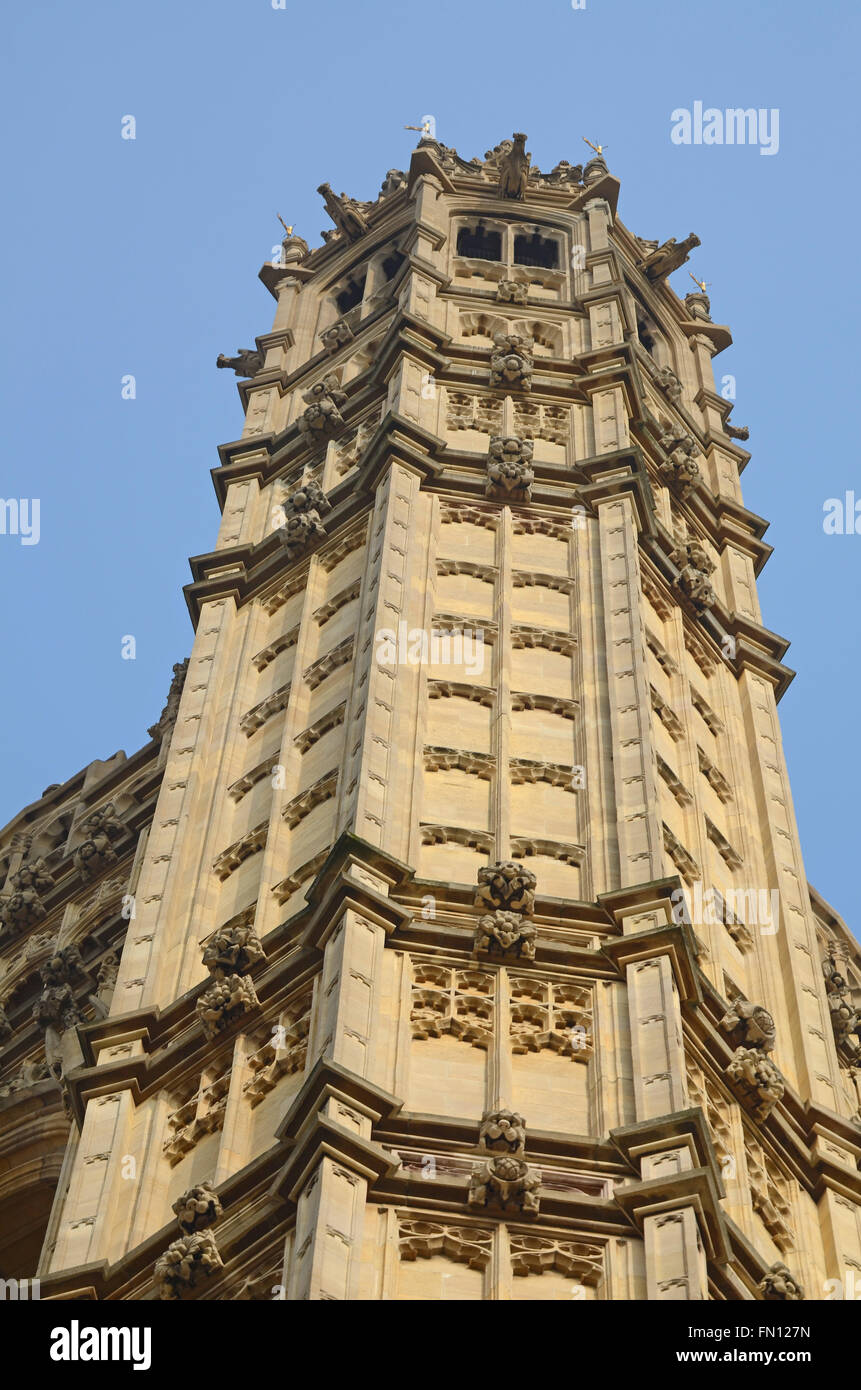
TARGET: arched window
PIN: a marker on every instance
(536, 250)
(350, 295)
(479, 243)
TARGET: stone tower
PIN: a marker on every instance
(470, 952)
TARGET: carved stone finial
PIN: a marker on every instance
(185, 1262)
(511, 361)
(778, 1286)
(698, 305)
(509, 468)
(694, 570)
(303, 513)
(504, 1180)
(514, 169)
(197, 1208)
(246, 363)
(757, 1081)
(323, 417)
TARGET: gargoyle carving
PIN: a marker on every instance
(511, 361)
(663, 260)
(246, 363)
(505, 934)
(336, 336)
(514, 169)
(736, 431)
(346, 213)
(509, 468)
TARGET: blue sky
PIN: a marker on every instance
(141, 257)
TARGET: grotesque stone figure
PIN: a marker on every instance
(778, 1286)
(511, 361)
(514, 169)
(509, 468)
(96, 852)
(347, 214)
(197, 1208)
(694, 570)
(184, 1263)
(681, 470)
(227, 997)
(24, 907)
(663, 260)
(669, 383)
(757, 1080)
(232, 949)
(246, 363)
(323, 417)
(303, 513)
(512, 292)
(504, 1180)
(750, 1024)
(508, 890)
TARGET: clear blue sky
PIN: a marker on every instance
(142, 257)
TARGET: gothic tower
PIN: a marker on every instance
(467, 950)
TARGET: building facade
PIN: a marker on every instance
(450, 939)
